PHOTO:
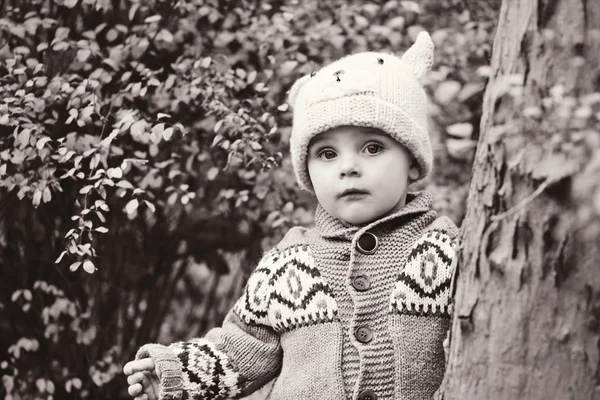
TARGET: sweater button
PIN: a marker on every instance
(367, 395)
(367, 243)
(363, 334)
(361, 283)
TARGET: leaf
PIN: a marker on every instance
(218, 125)
(583, 112)
(166, 35)
(167, 133)
(71, 232)
(288, 66)
(212, 173)
(112, 35)
(60, 257)
(216, 141)
(396, 23)
(484, 71)
(150, 206)
(590, 99)
(98, 174)
(469, 90)
(24, 137)
(68, 173)
(138, 128)
(83, 54)
(86, 189)
(50, 387)
(73, 267)
(157, 131)
(206, 62)
(447, 91)
(460, 148)
(89, 267)
(534, 112)
(133, 10)
(461, 130)
(89, 152)
(251, 77)
(101, 229)
(154, 18)
(60, 46)
(41, 383)
(61, 33)
(411, 6)
(131, 206)
(555, 167)
(47, 196)
(162, 115)
(37, 197)
(124, 184)
(111, 63)
(116, 173)
(40, 143)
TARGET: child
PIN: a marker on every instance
(358, 306)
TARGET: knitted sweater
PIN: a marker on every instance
(333, 312)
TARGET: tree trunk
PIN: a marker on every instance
(527, 305)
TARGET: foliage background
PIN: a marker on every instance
(144, 167)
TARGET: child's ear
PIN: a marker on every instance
(413, 171)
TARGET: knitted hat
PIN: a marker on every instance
(369, 89)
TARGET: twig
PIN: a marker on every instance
(523, 203)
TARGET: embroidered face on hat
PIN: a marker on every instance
(368, 89)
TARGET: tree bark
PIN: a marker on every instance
(527, 303)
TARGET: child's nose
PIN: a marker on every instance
(349, 167)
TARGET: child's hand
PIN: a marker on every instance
(142, 379)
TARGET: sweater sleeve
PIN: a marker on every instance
(230, 361)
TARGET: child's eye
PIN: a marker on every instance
(373, 148)
(326, 154)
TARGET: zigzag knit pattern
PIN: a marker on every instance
(423, 286)
(207, 372)
(286, 291)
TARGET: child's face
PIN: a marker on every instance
(365, 160)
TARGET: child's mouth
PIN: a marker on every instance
(353, 194)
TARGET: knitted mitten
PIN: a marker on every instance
(168, 370)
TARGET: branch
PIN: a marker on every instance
(523, 203)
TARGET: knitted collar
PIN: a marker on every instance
(330, 227)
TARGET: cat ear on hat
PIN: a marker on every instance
(419, 57)
(293, 92)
